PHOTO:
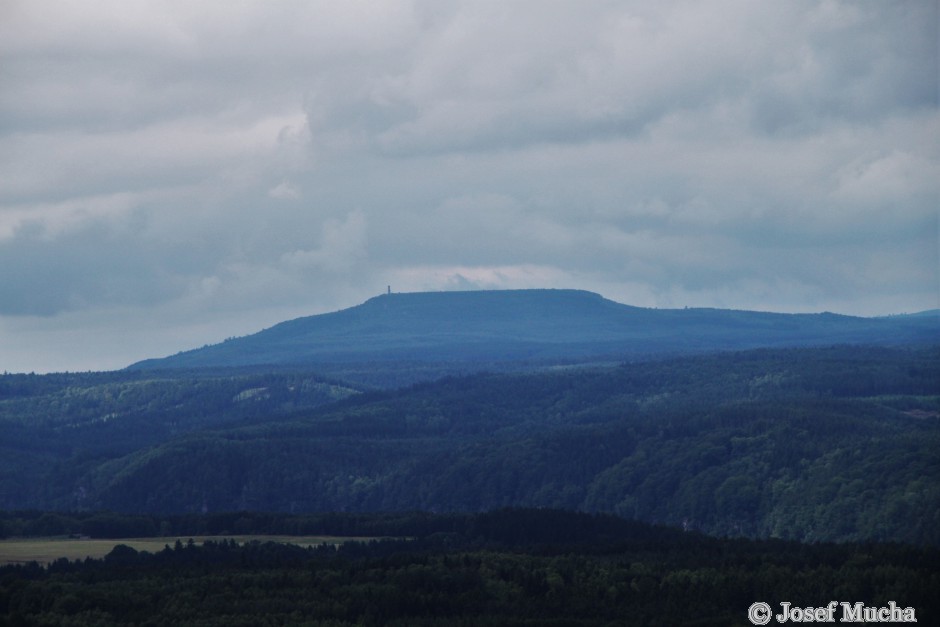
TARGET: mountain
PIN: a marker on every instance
(536, 325)
(828, 430)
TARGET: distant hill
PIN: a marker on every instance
(516, 325)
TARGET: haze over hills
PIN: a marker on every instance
(514, 325)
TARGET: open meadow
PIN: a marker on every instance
(47, 550)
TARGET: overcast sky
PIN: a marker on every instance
(175, 173)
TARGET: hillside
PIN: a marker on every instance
(56, 426)
(493, 327)
(810, 444)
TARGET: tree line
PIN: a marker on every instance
(514, 566)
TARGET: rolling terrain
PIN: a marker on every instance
(458, 332)
(812, 444)
(806, 427)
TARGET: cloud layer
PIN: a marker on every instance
(189, 171)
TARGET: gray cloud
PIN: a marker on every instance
(206, 169)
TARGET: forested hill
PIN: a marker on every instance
(811, 444)
(514, 325)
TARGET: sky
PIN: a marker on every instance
(173, 173)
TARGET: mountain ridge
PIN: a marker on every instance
(540, 324)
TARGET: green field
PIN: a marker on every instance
(46, 550)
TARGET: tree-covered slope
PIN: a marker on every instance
(810, 444)
(54, 427)
(513, 325)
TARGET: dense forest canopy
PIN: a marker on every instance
(704, 481)
(507, 567)
(836, 443)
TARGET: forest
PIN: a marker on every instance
(506, 567)
(661, 490)
(809, 444)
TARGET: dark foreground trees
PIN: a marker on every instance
(511, 567)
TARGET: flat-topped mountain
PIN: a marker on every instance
(514, 325)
